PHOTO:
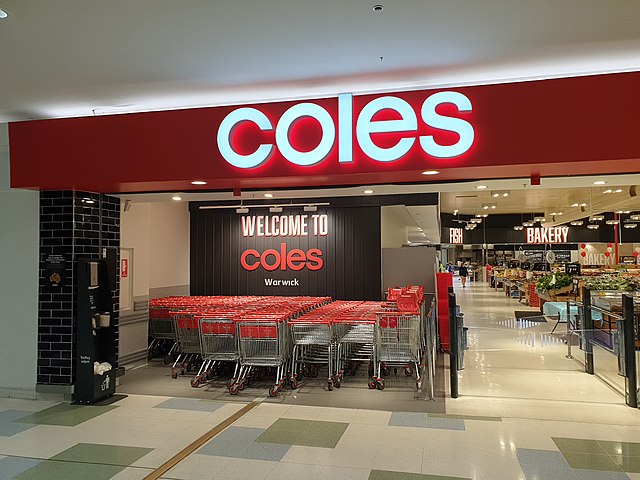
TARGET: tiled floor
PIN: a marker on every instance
(525, 413)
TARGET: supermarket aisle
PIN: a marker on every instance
(520, 369)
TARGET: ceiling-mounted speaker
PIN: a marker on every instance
(632, 191)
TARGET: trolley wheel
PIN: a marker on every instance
(150, 355)
(242, 385)
(182, 371)
(380, 384)
(336, 383)
(231, 382)
(330, 386)
(233, 389)
(372, 385)
(273, 391)
(174, 374)
(408, 371)
(203, 377)
(294, 383)
(167, 359)
(195, 382)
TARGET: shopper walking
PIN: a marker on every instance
(464, 272)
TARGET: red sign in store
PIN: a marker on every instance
(580, 125)
(124, 270)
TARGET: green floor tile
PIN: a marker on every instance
(590, 461)
(102, 454)
(621, 448)
(66, 415)
(628, 464)
(388, 475)
(290, 424)
(304, 433)
(52, 470)
(578, 445)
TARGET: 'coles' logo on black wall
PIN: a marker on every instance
(283, 226)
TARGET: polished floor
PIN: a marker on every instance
(525, 412)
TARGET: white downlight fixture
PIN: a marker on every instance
(430, 172)
(368, 192)
(198, 182)
(577, 223)
(599, 182)
(518, 227)
(268, 195)
(176, 198)
(630, 225)
(481, 187)
(612, 222)
(593, 226)
(596, 218)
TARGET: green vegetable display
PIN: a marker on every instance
(562, 280)
(613, 282)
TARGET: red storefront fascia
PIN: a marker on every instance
(570, 126)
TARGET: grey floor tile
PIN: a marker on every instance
(408, 419)
(13, 415)
(446, 423)
(545, 472)
(264, 451)
(190, 404)
(8, 429)
(12, 466)
(231, 441)
(600, 475)
(548, 458)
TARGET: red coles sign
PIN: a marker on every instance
(282, 259)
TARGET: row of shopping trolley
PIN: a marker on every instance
(294, 337)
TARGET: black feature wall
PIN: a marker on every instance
(72, 225)
(350, 249)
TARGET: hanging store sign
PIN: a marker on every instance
(547, 235)
(464, 133)
(456, 236)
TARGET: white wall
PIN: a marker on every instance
(394, 230)
(19, 254)
(159, 236)
(169, 245)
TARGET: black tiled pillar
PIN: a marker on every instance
(72, 225)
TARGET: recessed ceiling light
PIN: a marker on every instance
(3, 14)
(560, 213)
(630, 225)
(635, 217)
(177, 198)
(596, 218)
(368, 192)
(593, 226)
(619, 190)
(518, 227)
(612, 222)
(575, 205)
(198, 182)
(486, 207)
(478, 215)
(268, 195)
(485, 215)
(430, 172)
(496, 195)
(599, 182)
(481, 187)
(493, 207)
(577, 223)
(505, 194)
(583, 204)
(608, 190)
(378, 8)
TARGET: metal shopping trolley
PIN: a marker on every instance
(397, 343)
(218, 343)
(188, 340)
(161, 332)
(263, 341)
(313, 345)
(355, 337)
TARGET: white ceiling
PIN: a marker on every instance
(83, 57)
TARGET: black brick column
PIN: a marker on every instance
(73, 225)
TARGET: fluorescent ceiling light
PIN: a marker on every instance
(198, 182)
(177, 198)
(430, 172)
(268, 195)
(481, 187)
(368, 192)
(599, 182)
